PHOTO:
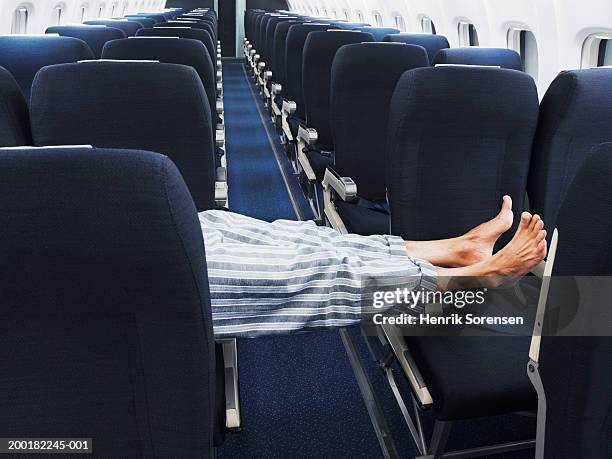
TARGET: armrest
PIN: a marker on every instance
(221, 193)
(277, 88)
(219, 87)
(219, 75)
(267, 76)
(344, 187)
(220, 138)
(232, 393)
(221, 174)
(289, 107)
(306, 137)
(220, 108)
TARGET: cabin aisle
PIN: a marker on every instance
(299, 395)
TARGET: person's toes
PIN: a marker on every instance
(539, 225)
(534, 221)
(542, 249)
(525, 219)
(506, 203)
(541, 236)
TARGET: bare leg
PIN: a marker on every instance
(526, 249)
(473, 247)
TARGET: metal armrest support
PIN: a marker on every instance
(220, 107)
(533, 366)
(219, 88)
(220, 138)
(345, 188)
(306, 137)
(277, 88)
(232, 389)
(219, 75)
(221, 192)
(289, 108)
(221, 174)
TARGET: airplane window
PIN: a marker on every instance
(378, 20)
(468, 36)
(359, 16)
(427, 25)
(524, 43)
(20, 21)
(334, 13)
(400, 23)
(58, 15)
(100, 9)
(83, 10)
(597, 51)
(347, 15)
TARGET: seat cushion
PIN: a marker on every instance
(319, 161)
(475, 376)
(362, 220)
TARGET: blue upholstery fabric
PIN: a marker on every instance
(453, 144)
(94, 36)
(280, 52)
(352, 25)
(193, 25)
(111, 105)
(144, 22)
(270, 32)
(474, 55)
(194, 34)
(14, 120)
(363, 220)
(431, 43)
(364, 77)
(106, 327)
(24, 55)
(379, 33)
(575, 116)
(128, 27)
(319, 52)
(158, 18)
(294, 61)
(171, 51)
(580, 424)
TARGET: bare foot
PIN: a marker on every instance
(480, 240)
(526, 249)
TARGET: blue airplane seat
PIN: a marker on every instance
(364, 77)
(14, 118)
(474, 55)
(575, 116)
(25, 55)
(107, 327)
(94, 36)
(432, 43)
(113, 105)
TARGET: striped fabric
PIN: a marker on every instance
(286, 276)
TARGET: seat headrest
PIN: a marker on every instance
(353, 25)
(24, 55)
(474, 55)
(379, 33)
(94, 36)
(431, 43)
(111, 105)
(130, 28)
(145, 22)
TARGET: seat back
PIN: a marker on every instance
(106, 327)
(128, 27)
(279, 58)
(296, 37)
(353, 25)
(455, 150)
(270, 31)
(94, 36)
(112, 105)
(364, 77)
(183, 32)
(379, 33)
(474, 55)
(319, 52)
(170, 50)
(193, 24)
(580, 425)
(24, 55)
(432, 43)
(14, 119)
(158, 18)
(575, 116)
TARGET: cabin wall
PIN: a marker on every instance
(559, 26)
(44, 13)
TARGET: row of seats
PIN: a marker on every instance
(25, 56)
(388, 133)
